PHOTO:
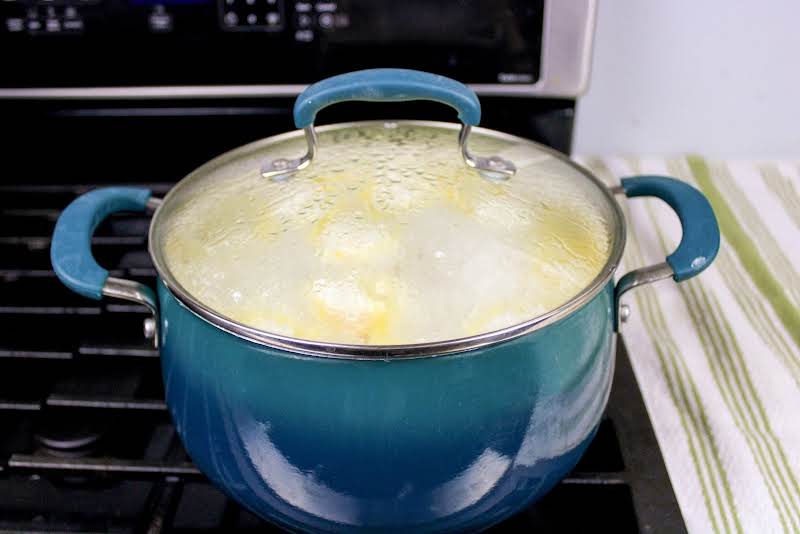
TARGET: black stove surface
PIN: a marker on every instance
(86, 443)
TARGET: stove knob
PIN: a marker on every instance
(231, 18)
(325, 20)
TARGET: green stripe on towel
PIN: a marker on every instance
(733, 380)
(708, 467)
(746, 250)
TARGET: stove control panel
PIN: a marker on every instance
(251, 15)
(47, 18)
(282, 43)
(303, 20)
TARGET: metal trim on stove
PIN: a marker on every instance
(566, 57)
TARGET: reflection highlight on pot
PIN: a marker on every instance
(304, 491)
(297, 488)
(475, 482)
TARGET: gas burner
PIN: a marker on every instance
(64, 437)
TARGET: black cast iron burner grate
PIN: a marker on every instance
(86, 444)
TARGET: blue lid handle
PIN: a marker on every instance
(387, 85)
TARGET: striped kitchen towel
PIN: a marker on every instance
(718, 357)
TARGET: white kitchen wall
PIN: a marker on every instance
(714, 77)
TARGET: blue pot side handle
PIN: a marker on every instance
(71, 247)
(70, 250)
(387, 85)
(700, 241)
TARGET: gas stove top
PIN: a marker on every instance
(86, 443)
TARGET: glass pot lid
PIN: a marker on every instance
(387, 238)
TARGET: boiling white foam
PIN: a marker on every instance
(387, 238)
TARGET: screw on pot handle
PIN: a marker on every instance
(700, 241)
(387, 85)
(71, 254)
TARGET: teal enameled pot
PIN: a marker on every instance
(431, 437)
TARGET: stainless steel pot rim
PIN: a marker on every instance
(388, 352)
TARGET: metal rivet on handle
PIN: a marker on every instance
(149, 328)
(624, 313)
